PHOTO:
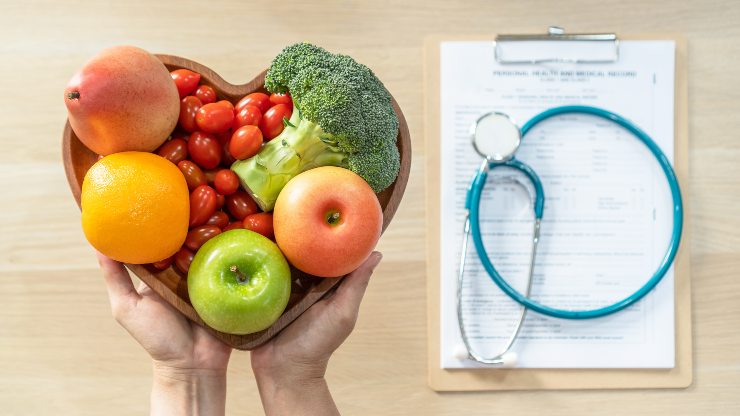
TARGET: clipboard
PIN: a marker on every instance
(554, 379)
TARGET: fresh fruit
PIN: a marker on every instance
(239, 282)
(205, 94)
(123, 99)
(135, 207)
(199, 235)
(260, 222)
(277, 98)
(239, 205)
(204, 149)
(215, 118)
(272, 122)
(219, 218)
(327, 221)
(185, 80)
(234, 226)
(246, 142)
(226, 182)
(164, 264)
(175, 150)
(202, 205)
(194, 176)
(189, 107)
(183, 258)
(248, 115)
(257, 99)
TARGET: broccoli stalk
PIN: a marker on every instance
(342, 116)
(302, 145)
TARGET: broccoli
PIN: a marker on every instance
(342, 116)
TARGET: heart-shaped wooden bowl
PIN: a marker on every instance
(172, 285)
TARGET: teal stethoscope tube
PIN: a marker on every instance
(473, 198)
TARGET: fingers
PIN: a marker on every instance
(349, 294)
(121, 291)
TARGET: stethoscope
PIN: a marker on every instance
(496, 138)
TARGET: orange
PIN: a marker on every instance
(135, 207)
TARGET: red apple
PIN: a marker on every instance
(327, 221)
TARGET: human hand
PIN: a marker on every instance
(290, 367)
(189, 363)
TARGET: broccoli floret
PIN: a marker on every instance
(342, 116)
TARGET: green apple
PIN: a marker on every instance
(239, 282)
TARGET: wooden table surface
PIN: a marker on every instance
(62, 353)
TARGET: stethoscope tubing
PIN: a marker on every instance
(473, 204)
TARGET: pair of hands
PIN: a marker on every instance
(190, 364)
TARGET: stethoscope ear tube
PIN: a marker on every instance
(670, 254)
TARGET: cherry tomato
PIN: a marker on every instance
(174, 150)
(276, 98)
(220, 201)
(240, 205)
(185, 80)
(199, 235)
(257, 99)
(219, 218)
(215, 117)
(227, 104)
(202, 205)
(245, 142)
(260, 223)
(193, 175)
(205, 94)
(224, 137)
(189, 107)
(183, 258)
(226, 182)
(272, 121)
(248, 114)
(204, 149)
(233, 225)
(226, 159)
(163, 264)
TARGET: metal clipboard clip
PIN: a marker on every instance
(595, 48)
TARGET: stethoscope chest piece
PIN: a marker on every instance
(495, 137)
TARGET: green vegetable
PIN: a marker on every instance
(342, 116)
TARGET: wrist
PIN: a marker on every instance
(185, 391)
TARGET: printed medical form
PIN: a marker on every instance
(607, 215)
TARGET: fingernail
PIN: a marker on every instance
(375, 258)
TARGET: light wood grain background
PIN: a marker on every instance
(61, 352)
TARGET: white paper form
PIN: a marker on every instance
(607, 218)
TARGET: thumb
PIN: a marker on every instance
(349, 294)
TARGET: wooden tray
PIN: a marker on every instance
(171, 284)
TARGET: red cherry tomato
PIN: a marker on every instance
(224, 137)
(219, 218)
(183, 258)
(163, 264)
(227, 104)
(240, 205)
(260, 223)
(257, 99)
(205, 94)
(215, 117)
(204, 149)
(202, 205)
(220, 201)
(233, 225)
(226, 182)
(226, 159)
(189, 107)
(272, 121)
(199, 235)
(174, 150)
(210, 176)
(276, 99)
(185, 80)
(248, 115)
(245, 142)
(193, 175)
